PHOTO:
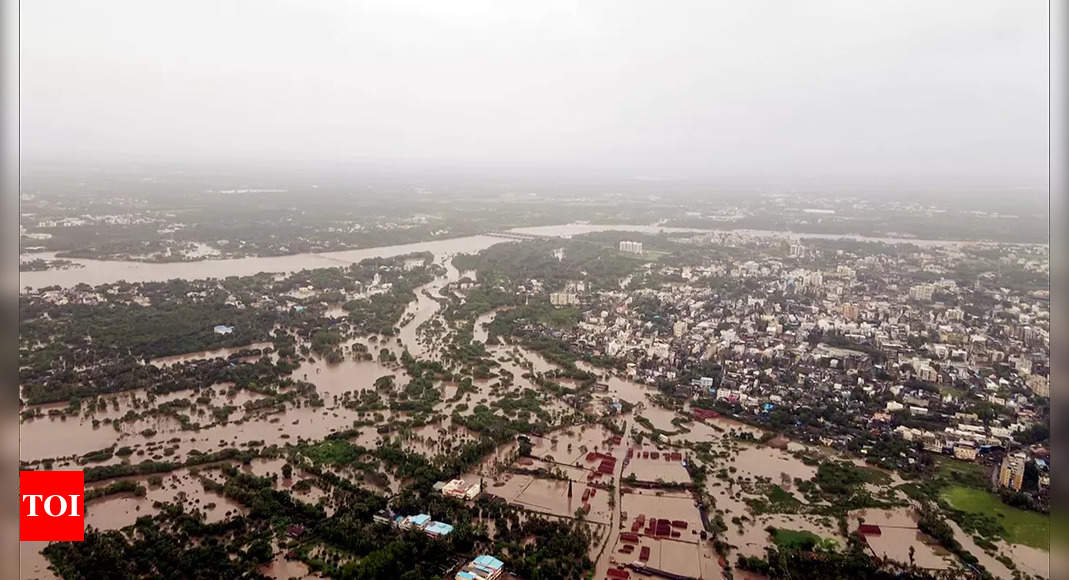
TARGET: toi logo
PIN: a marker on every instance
(51, 506)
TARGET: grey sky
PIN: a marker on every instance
(867, 93)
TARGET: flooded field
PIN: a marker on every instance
(166, 361)
(675, 557)
(32, 563)
(118, 511)
(682, 552)
(550, 496)
(348, 375)
(285, 569)
(572, 445)
(674, 506)
(96, 272)
(775, 464)
(560, 479)
(644, 467)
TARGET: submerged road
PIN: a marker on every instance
(605, 558)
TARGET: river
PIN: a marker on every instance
(95, 272)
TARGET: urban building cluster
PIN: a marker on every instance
(840, 346)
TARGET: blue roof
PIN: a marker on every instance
(466, 575)
(419, 519)
(489, 562)
(439, 528)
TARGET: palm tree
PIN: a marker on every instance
(826, 545)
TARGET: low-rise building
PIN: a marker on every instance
(461, 489)
(481, 568)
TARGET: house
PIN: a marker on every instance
(438, 529)
(965, 450)
(460, 489)
(418, 521)
(385, 516)
(223, 329)
(481, 568)
(423, 522)
(869, 530)
(294, 530)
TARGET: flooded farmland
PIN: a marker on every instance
(587, 471)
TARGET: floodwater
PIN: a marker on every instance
(96, 272)
(576, 229)
(685, 555)
(166, 361)
(550, 496)
(32, 563)
(75, 435)
(423, 308)
(284, 569)
(52, 437)
(121, 510)
(1028, 559)
(348, 375)
(660, 469)
(775, 464)
(480, 332)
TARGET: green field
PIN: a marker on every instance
(954, 471)
(794, 539)
(1022, 527)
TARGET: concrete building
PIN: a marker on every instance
(461, 489)
(481, 568)
(922, 292)
(1011, 473)
(965, 451)
(631, 247)
(850, 312)
(563, 298)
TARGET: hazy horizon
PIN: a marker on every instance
(840, 97)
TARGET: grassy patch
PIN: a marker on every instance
(1021, 526)
(334, 452)
(793, 539)
(781, 497)
(963, 473)
(560, 318)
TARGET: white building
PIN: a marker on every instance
(563, 298)
(461, 489)
(922, 292)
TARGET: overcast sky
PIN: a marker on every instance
(784, 94)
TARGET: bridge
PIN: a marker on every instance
(518, 236)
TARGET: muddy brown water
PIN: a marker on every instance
(75, 435)
(96, 272)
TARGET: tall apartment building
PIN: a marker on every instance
(631, 247)
(850, 311)
(563, 298)
(922, 292)
(1011, 474)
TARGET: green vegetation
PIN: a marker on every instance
(853, 562)
(800, 540)
(1020, 526)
